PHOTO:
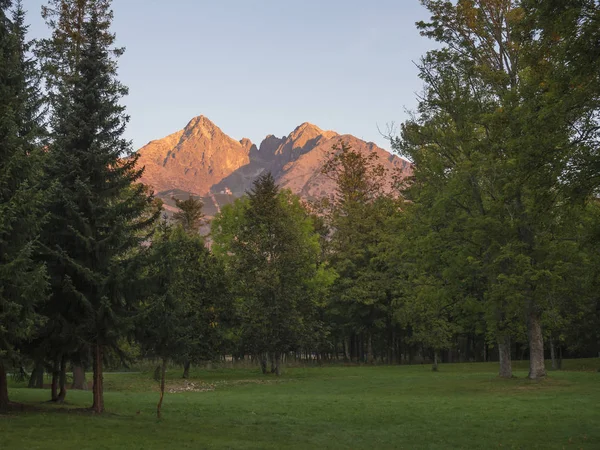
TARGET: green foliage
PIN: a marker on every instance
(190, 215)
(23, 281)
(493, 145)
(271, 252)
(99, 214)
(182, 315)
(362, 295)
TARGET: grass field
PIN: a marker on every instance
(405, 407)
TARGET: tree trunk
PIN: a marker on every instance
(62, 381)
(163, 372)
(537, 368)
(361, 348)
(370, 357)
(3, 388)
(36, 380)
(504, 356)
(54, 384)
(435, 361)
(79, 382)
(186, 369)
(346, 349)
(273, 364)
(263, 363)
(278, 364)
(560, 358)
(553, 355)
(98, 388)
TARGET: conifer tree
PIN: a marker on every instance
(356, 214)
(22, 279)
(190, 215)
(99, 213)
(271, 250)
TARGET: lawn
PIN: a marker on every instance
(405, 407)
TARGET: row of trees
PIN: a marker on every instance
(505, 147)
(490, 245)
(488, 250)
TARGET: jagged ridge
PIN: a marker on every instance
(202, 160)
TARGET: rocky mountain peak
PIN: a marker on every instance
(201, 125)
(201, 159)
(194, 158)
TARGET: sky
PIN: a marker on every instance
(259, 67)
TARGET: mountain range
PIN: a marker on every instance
(203, 161)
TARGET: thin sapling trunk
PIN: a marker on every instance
(163, 371)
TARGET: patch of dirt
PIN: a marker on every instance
(199, 386)
(188, 386)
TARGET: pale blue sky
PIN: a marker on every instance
(258, 67)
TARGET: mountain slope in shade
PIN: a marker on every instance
(274, 155)
(192, 159)
(204, 161)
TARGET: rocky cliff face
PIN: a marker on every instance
(193, 159)
(202, 160)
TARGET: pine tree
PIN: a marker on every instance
(190, 215)
(356, 215)
(271, 250)
(22, 279)
(99, 213)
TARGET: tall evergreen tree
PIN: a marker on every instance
(190, 215)
(99, 213)
(271, 251)
(22, 279)
(360, 297)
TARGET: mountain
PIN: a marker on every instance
(192, 159)
(202, 160)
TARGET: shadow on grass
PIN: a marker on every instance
(17, 408)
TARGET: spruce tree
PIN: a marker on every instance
(361, 303)
(271, 251)
(22, 279)
(190, 215)
(100, 215)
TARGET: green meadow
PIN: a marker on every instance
(463, 406)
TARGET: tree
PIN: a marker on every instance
(99, 215)
(190, 215)
(361, 298)
(180, 318)
(495, 139)
(271, 251)
(23, 280)
(563, 50)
